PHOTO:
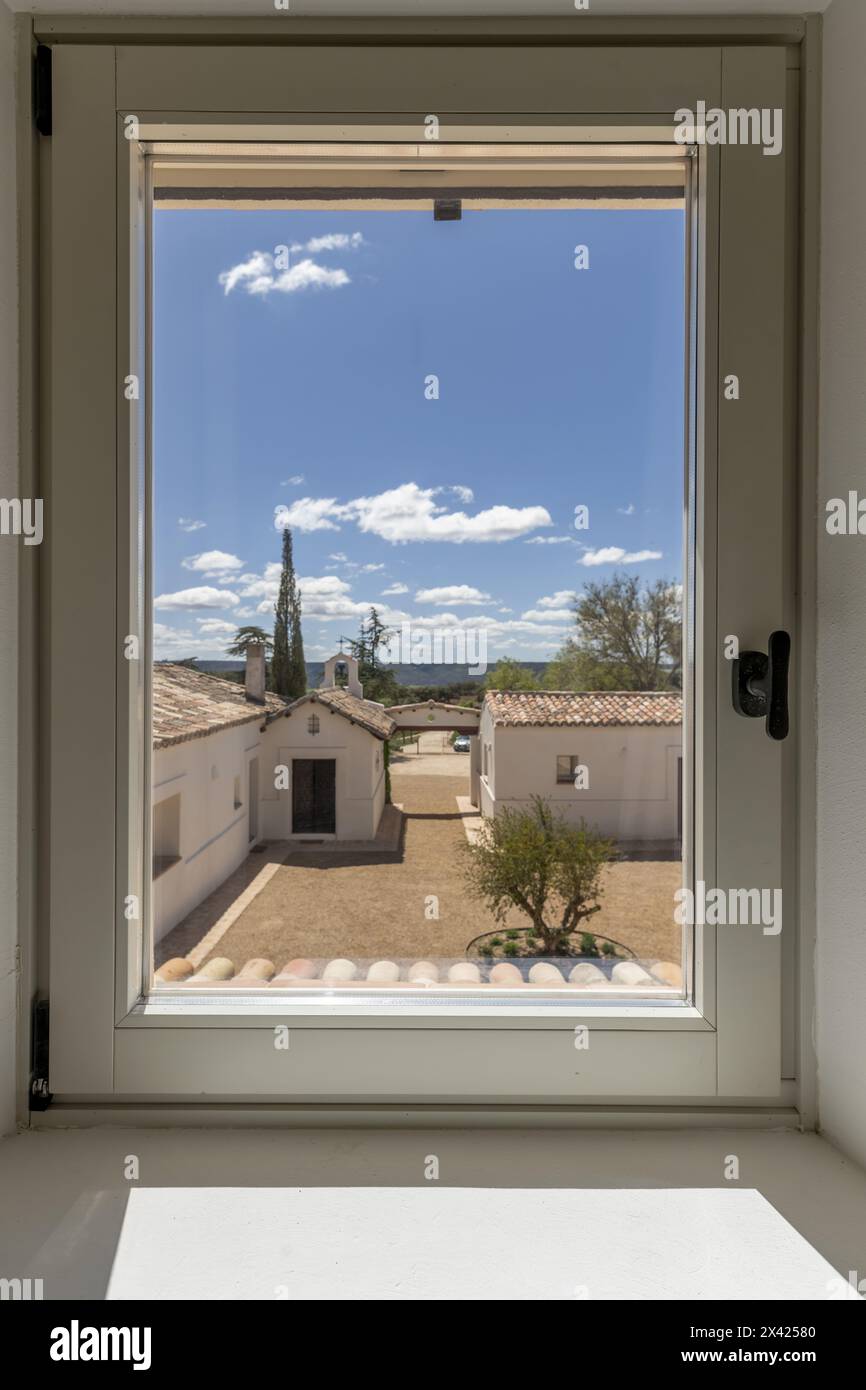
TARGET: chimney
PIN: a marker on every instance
(254, 675)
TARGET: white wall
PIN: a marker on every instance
(214, 835)
(8, 580)
(632, 774)
(841, 964)
(360, 772)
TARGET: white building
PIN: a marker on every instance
(612, 758)
(233, 766)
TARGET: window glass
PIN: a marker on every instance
(418, 512)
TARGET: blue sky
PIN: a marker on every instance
(291, 388)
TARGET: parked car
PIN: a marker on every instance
(461, 743)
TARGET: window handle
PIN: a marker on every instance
(760, 685)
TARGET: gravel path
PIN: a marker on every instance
(367, 906)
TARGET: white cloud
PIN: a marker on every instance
(409, 513)
(213, 564)
(308, 514)
(172, 643)
(561, 599)
(187, 524)
(615, 555)
(327, 597)
(545, 636)
(550, 540)
(295, 480)
(259, 276)
(464, 493)
(203, 597)
(332, 241)
(627, 511)
(395, 589)
(554, 615)
(452, 593)
(168, 637)
(216, 627)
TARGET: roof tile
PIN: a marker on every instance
(190, 704)
(559, 708)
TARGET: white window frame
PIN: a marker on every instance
(106, 1046)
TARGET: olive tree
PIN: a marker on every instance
(535, 861)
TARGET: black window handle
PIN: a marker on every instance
(760, 684)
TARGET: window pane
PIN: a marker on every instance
(418, 522)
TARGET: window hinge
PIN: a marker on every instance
(40, 1096)
(447, 209)
(42, 89)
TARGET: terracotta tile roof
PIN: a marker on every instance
(466, 710)
(534, 708)
(625, 975)
(190, 704)
(370, 716)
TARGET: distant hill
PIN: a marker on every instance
(406, 675)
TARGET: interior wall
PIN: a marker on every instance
(841, 962)
(8, 577)
(841, 959)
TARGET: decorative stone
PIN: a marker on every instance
(587, 974)
(543, 973)
(174, 970)
(299, 969)
(464, 972)
(384, 972)
(257, 970)
(220, 968)
(423, 972)
(504, 973)
(668, 974)
(628, 974)
(339, 970)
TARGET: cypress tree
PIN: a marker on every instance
(287, 665)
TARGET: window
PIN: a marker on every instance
(238, 803)
(566, 767)
(166, 834)
(535, 191)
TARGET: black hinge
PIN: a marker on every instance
(42, 89)
(447, 209)
(40, 1096)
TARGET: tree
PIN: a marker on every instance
(628, 638)
(288, 668)
(374, 634)
(535, 861)
(245, 637)
(378, 681)
(509, 674)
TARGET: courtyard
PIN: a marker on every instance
(325, 903)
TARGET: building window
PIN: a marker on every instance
(313, 724)
(566, 766)
(166, 834)
(238, 801)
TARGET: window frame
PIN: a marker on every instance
(96, 1065)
